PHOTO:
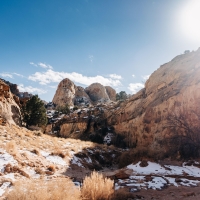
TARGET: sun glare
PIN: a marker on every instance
(189, 20)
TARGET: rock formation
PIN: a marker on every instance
(111, 93)
(68, 93)
(173, 89)
(65, 93)
(97, 93)
(81, 97)
(9, 105)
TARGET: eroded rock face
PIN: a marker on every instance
(173, 88)
(111, 93)
(81, 97)
(9, 108)
(68, 93)
(97, 93)
(65, 93)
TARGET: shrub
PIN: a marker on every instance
(138, 154)
(96, 187)
(57, 189)
(51, 168)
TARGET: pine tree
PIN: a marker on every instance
(34, 112)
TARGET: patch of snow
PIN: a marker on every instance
(4, 186)
(88, 160)
(154, 168)
(172, 181)
(90, 151)
(6, 158)
(54, 159)
(157, 183)
(189, 183)
(77, 161)
(10, 176)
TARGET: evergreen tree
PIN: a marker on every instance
(121, 96)
(34, 112)
(64, 109)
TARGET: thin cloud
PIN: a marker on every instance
(51, 76)
(6, 75)
(20, 75)
(115, 76)
(133, 75)
(91, 57)
(40, 64)
(145, 77)
(31, 89)
(32, 63)
(135, 87)
(45, 66)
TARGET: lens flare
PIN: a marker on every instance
(189, 20)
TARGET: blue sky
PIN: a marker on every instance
(114, 42)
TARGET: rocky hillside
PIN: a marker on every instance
(9, 105)
(68, 93)
(169, 104)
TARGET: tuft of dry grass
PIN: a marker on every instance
(58, 153)
(97, 187)
(11, 148)
(51, 168)
(57, 189)
(36, 151)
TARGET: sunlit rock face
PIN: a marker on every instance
(9, 108)
(68, 93)
(97, 93)
(111, 93)
(65, 93)
(173, 88)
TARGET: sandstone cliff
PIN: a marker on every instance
(68, 93)
(9, 105)
(111, 93)
(172, 89)
(97, 92)
(65, 93)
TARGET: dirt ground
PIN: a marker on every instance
(169, 193)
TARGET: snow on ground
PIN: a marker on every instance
(159, 176)
(154, 168)
(53, 159)
(76, 161)
(6, 158)
(4, 186)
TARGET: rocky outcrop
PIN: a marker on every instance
(81, 97)
(97, 93)
(111, 93)
(65, 93)
(172, 89)
(9, 109)
(68, 93)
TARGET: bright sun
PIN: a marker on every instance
(189, 20)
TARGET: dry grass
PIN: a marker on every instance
(96, 187)
(51, 168)
(59, 189)
(36, 151)
(11, 148)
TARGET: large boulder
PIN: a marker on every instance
(65, 93)
(81, 97)
(9, 108)
(97, 93)
(111, 93)
(172, 90)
